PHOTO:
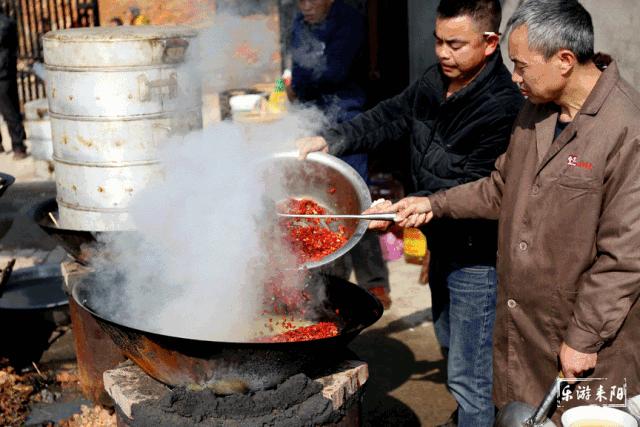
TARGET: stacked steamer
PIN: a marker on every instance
(115, 94)
(38, 128)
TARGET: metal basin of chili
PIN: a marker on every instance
(312, 239)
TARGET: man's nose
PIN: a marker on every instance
(516, 77)
(442, 52)
(304, 5)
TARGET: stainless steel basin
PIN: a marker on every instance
(329, 181)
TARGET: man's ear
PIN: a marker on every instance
(492, 44)
(567, 60)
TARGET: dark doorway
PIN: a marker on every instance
(388, 58)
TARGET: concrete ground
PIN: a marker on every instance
(407, 371)
(406, 384)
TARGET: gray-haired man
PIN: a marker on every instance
(567, 196)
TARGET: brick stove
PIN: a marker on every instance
(329, 398)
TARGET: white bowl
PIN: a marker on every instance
(597, 413)
(245, 102)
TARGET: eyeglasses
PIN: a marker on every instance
(491, 33)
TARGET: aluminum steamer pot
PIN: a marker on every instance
(115, 94)
(316, 178)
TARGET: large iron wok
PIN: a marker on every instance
(76, 243)
(228, 367)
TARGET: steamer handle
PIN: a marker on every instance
(174, 50)
(164, 128)
(146, 86)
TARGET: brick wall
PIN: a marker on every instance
(161, 11)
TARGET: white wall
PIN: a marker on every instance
(617, 32)
(422, 19)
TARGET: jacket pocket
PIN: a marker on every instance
(573, 182)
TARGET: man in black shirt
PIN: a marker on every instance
(459, 116)
(9, 102)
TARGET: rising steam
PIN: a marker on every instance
(197, 264)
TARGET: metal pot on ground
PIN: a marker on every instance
(32, 304)
(5, 220)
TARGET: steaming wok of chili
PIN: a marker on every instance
(227, 367)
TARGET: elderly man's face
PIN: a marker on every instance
(539, 79)
(461, 47)
(314, 11)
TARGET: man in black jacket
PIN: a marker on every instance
(459, 116)
(9, 103)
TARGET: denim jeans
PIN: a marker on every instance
(464, 312)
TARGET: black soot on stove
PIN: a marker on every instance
(297, 401)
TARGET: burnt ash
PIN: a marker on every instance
(292, 392)
(298, 401)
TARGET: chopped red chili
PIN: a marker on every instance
(312, 240)
(283, 294)
(305, 333)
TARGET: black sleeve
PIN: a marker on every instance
(491, 142)
(387, 121)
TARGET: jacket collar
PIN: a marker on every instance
(545, 126)
(607, 81)
(478, 84)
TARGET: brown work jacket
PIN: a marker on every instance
(569, 242)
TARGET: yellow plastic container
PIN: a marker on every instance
(415, 245)
(278, 98)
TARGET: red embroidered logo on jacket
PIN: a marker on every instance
(573, 161)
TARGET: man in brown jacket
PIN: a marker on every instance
(567, 197)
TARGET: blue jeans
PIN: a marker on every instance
(464, 312)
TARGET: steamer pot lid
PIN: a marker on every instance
(119, 34)
(117, 48)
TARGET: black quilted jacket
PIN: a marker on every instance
(453, 141)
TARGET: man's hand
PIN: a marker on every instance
(311, 144)
(574, 363)
(379, 206)
(413, 211)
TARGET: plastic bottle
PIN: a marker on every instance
(278, 98)
(415, 245)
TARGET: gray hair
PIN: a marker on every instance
(556, 24)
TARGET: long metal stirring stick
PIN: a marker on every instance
(368, 217)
